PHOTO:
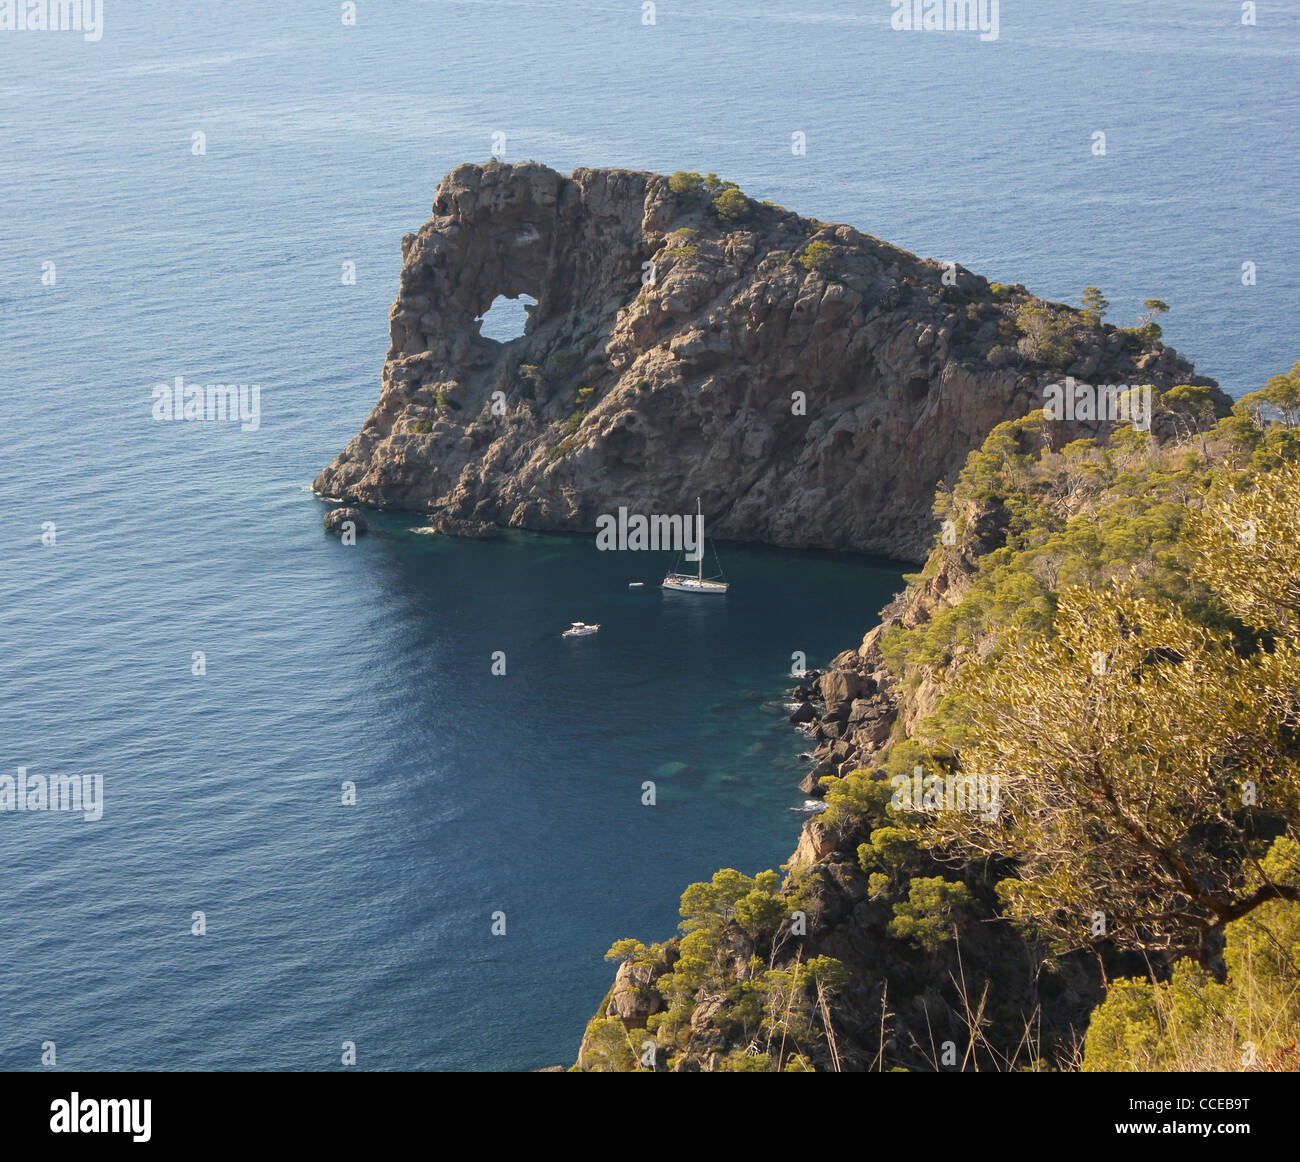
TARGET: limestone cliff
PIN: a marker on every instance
(692, 344)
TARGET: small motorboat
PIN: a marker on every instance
(636, 584)
(580, 629)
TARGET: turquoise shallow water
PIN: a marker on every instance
(371, 664)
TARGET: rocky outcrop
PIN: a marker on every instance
(634, 997)
(337, 518)
(450, 526)
(810, 383)
(852, 711)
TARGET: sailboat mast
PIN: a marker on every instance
(699, 532)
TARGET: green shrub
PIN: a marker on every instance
(565, 446)
(609, 1048)
(1143, 336)
(1045, 338)
(819, 257)
(1192, 1024)
(423, 427)
(927, 916)
(566, 361)
(1095, 305)
(685, 182)
(732, 206)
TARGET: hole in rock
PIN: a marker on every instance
(506, 318)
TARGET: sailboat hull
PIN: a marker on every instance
(684, 582)
(680, 583)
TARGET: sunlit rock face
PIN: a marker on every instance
(674, 353)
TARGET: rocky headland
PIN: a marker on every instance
(810, 383)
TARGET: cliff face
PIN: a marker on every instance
(850, 710)
(807, 407)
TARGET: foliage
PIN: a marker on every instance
(1193, 1023)
(565, 446)
(1094, 304)
(1123, 659)
(732, 206)
(609, 1049)
(928, 916)
(1143, 335)
(736, 948)
(1192, 406)
(630, 950)
(1247, 549)
(685, 182)
(1122, 654)
(1045, 338)
(1279, 398)
(1133, 749)
(819, 257)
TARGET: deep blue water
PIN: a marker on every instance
(371, 663)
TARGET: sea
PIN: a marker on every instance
(362, 805)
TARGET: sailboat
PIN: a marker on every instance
(684, 582)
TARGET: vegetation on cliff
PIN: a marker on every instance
(1102, 656)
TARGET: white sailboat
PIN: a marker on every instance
(684, 582)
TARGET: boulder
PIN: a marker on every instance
(450, 526)
(336, 518)
(811, 782)
(634, 998)
(839, 688)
